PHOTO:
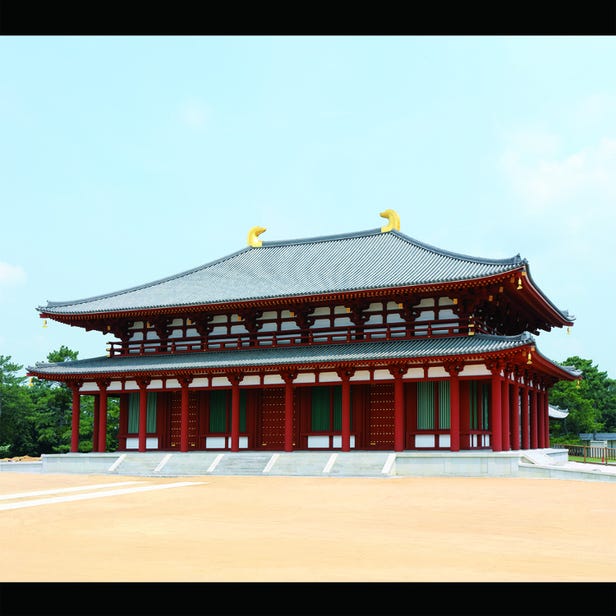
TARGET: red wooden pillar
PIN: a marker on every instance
(345, 375)
(465, 416)
(515, 415)
(525, 422)
(102, 428)
(496, 410)
(95, 422)
(75, 416)
(398, 372)
(547, 419)
(288, 409)
(533, 417)
(506, 439)
(143, 412)
(235, 410)
(454, 406)
(184, 383)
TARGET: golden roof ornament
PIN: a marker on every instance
(253, 234)
(393, 218)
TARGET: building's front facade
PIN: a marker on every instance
(362, 341)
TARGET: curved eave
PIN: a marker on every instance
(477, 349)
(374, 293)
(552, 369)
(540, 301)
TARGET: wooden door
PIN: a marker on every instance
(380, 420)
(270, 419)
(175, 420)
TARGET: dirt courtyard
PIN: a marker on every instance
(300, 529)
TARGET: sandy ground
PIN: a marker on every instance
(297, 529)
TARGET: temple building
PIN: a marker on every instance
(367, 340)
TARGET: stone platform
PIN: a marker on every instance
(540, 463)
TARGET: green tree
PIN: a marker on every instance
(52, 410)
(17, 432)
(591, 402)
(53, 404)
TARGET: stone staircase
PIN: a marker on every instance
(297, 463)
(526, 463)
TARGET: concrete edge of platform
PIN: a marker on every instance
(547, 463)
(562, 472)
(21, 467)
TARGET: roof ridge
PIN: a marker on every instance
(516, 259)
(343, 236)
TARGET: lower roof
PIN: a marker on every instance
(358, 353)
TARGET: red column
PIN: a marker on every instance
(524, 413)
(454, 406)
(506, 439)
(495, 411)
(398, 372)
(465, 418)
(515, 416)
(102, 428)
(235, 411)
(95, 422)
(75, 417)
(346, 375)
(143, 412)
(288, 410)
(533, 417)
(184, 383)
(547, 419)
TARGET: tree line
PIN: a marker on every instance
(36, 415)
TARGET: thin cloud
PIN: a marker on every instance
(549, 180)
(595, 109)
(11, 274)
(565, 195)
(194, 114)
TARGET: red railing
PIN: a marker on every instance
(323, 335)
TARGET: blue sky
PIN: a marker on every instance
(125, 159)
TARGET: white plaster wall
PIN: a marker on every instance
(475, 370)
(437, 371)
(329, 377)
(305, 377)
(427, 301)
(89, 387)
(361, 375)
(414, 373)
(382, 375)
(273, 379)
(200, 382)
(321, 311)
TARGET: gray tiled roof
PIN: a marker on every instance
(353, 261)
(263, 357)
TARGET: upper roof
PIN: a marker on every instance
(303, 267)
